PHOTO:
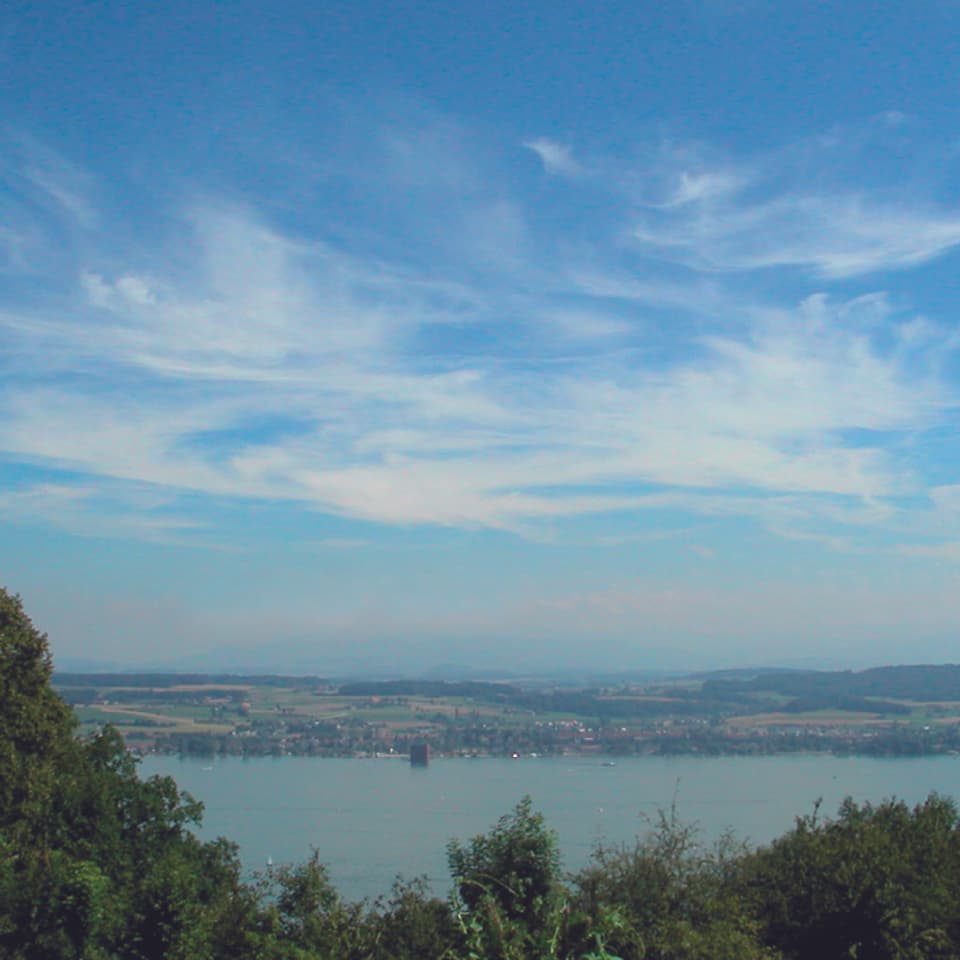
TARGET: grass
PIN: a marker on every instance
(812, 718)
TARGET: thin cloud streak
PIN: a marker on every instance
(834, 236)
(785, 209)
(390, 396)
(557, 158)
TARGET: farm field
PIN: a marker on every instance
(200, 714)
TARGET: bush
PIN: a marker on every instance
(879, 882)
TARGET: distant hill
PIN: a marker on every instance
(427, 688)
(924, 682)
(742, 673)
(158, 680)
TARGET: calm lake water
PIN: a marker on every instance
(373, 819)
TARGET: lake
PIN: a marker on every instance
(373, 819)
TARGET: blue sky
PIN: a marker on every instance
(388, 335)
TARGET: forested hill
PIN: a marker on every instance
(927, 682)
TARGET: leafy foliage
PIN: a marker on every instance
(94, 862)
(508, 884)
(35, 724)
(668, 897)
(877, 881)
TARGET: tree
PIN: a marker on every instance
(94, 861)
(508, 880)
(35, 724)
(877, 881)
(412, 925)
(669, 896)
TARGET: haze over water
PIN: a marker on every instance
(373, 819)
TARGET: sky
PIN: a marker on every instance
(364, 336)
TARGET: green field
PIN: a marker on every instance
(257, 715)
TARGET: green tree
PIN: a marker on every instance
(508, 881)
(310, 920)
(669, 896)
(94, 861)
(879, 882)
(411, 925)
(35, 724)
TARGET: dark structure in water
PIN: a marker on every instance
(419, 754)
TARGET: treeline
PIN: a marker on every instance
(477, 689)
(922, 682)
(164, 680)
(84, 696)
(717, 697)
(582, 703)
(814, 702)
(97, 864)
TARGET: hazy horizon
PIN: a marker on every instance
(390, 664)
(605, 339)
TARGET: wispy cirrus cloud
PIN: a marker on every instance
(788, 208)
(494, 385)
(699, 186)
(44, 198)
(557, 158)
(833, 235)
(86, 509)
